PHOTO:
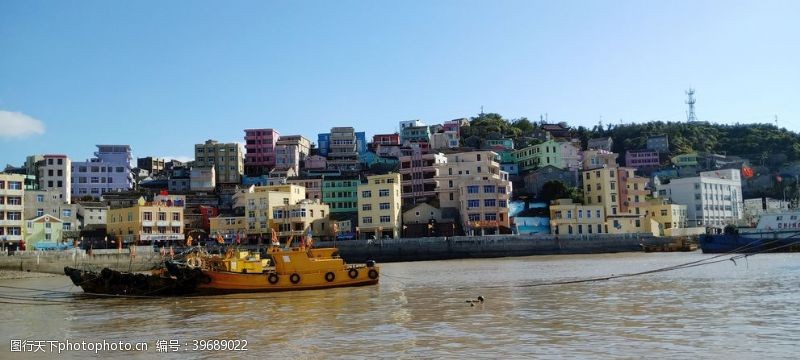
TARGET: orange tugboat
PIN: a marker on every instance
(284, 269)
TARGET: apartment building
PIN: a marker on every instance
(379, 206)
(12, 199)
(227, 160)
(55, 173)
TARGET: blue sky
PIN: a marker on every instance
(164, 75)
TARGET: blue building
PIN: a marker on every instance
(108, 171)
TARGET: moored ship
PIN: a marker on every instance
(283, 269)
(777, 232)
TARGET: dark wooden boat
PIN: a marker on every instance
(113, 282)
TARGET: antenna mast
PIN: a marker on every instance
(690, 116)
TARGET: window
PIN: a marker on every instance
(66, 226)
(488, 188)
(383, 192)
(502, 203)
(175, 216)
(39, 212)
(501, 189)
(162, 216)
(489, 202)
(385, 219)
(490, 216)
(39, 198)
(366, 220)
(366, 207)
(14, 200)
(366, 194)
(663, 212)
(473, 203)
(474, 217)
(472, 189)
(385, 206)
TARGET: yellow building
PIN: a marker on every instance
(146, 222)
(568, 217)
(261, 200)
(668, 217)
(12, 197)
(630, 224)
(226, 159)
(227, 226)
(379, 206)
(298, 219)
(601, 187)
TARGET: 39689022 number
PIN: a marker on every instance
(219, 345)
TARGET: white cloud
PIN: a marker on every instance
(181, 158)
(16, 124)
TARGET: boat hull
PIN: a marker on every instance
(729, 243)
(223, 282)
(112, 282)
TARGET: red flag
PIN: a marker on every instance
(747, 172)
(238, 239)
(274, 238)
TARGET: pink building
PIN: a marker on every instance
(259, 157)
(641, 159)
(386, 145)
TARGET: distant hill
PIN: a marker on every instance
(762, 144)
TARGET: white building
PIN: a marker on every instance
(55, 173)
(712, 199)
(12, 195)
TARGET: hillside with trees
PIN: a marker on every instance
(761, 144)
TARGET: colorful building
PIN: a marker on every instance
(594, 158)
(379, 206)
(260, 150)
(291, 151)
(313, 186)
(229, 227)
(108, 171)
(560, 154)
(296, 221)
(340, 193)
(147, 222)
(261, 200)
(418, 176)
(43, 229)
(49, 202)
(685, 160)
(642, 159)
(12, 198)
(226, 159)
(55, 173)
(473, 184)
(568, 217)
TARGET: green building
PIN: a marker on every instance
(43, 229)
(340, 193)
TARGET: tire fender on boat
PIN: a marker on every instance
(373, 274)
(353, 273)
(272, 278)
(294, 278)
(329, 276)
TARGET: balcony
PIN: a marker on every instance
(147, 223)
(162, 223)
(176, 223)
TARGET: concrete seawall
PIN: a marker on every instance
(459, 247)
(356, 251)
(54, 261)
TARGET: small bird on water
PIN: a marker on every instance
(472, 302)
